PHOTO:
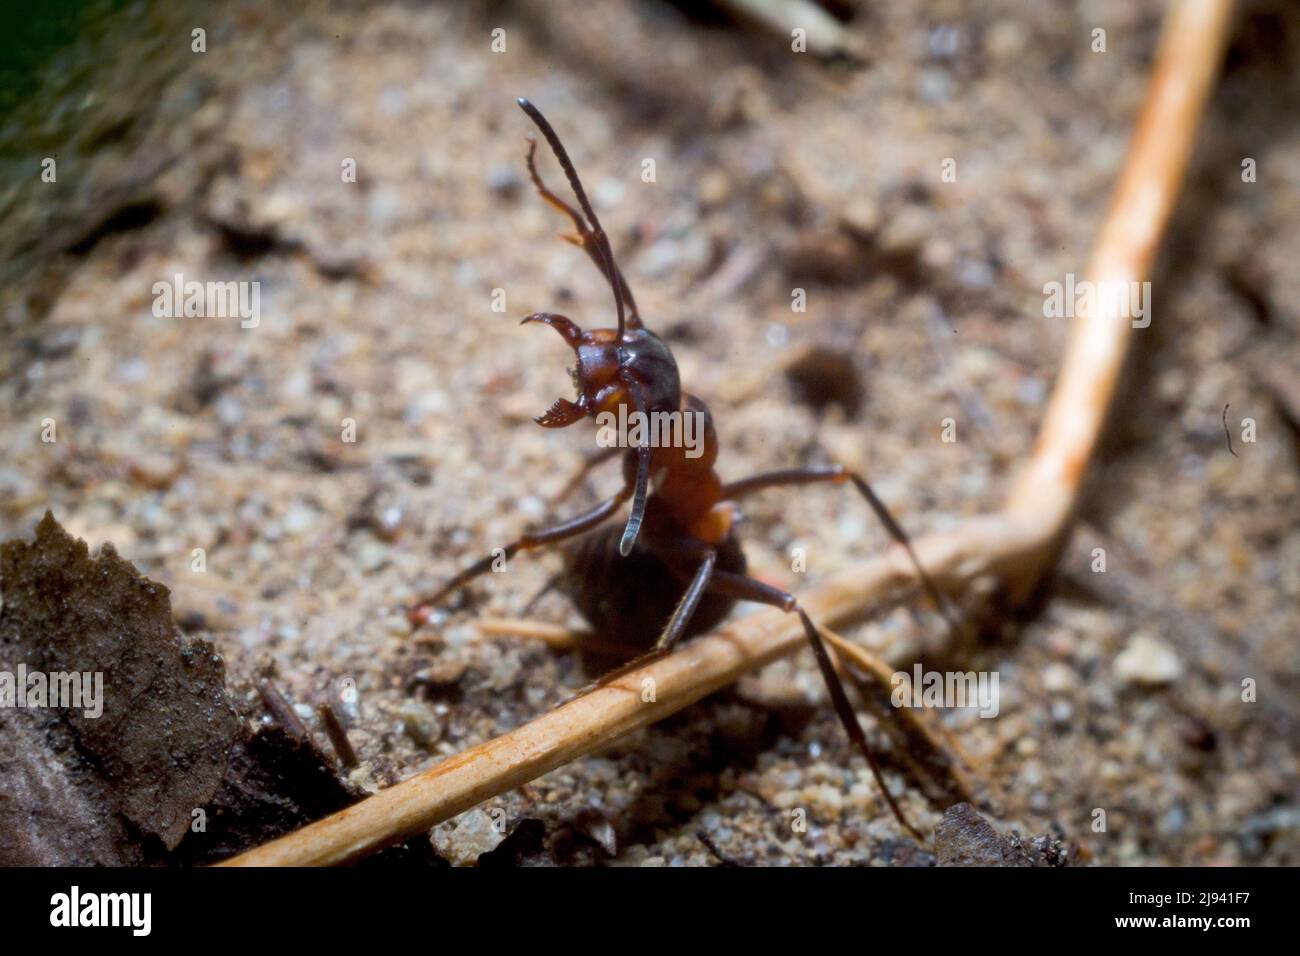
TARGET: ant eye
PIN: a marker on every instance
(573, 374)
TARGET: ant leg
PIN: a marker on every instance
(687, 605)
(744, 588)
(634, 519)
(838, 474)
(700, 580)
(589, 463)
(546, 589)
(643, 454)
(533, 539)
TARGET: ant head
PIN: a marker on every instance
(624, 368)
(627, 366)
(639, 372)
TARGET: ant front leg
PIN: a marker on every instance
(744, 588)
(685, 609)
(533, 539)
(700, 579)
(838, 474)
(643, 455)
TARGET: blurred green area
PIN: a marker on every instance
(81, 82)
(41, 34)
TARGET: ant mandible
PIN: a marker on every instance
(676, 568)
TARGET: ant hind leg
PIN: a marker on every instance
(744, 588)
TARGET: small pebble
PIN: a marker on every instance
(1058, 679)
(419, 722)
(1148, 662)
(463, 840)
(714, 188)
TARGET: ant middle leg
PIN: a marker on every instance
(526, 542)
(838, 474)
(589, 464)
(744, 588)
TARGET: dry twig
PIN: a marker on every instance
(1010, 549)
(557, 636)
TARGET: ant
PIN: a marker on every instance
(676, 567)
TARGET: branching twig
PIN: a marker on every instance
(1012, 548)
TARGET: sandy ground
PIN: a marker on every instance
(774, 171)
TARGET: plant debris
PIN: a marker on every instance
(964, 838)
(155, 760)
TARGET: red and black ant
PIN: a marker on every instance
(676, 567)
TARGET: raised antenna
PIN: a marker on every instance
(602, 241)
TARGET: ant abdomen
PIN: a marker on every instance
(627, 601)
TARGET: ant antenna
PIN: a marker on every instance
(602, 241)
